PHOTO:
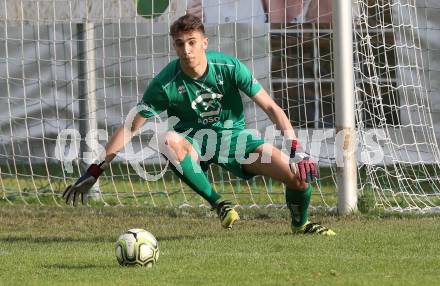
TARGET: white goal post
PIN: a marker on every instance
(351, 75)
(345, 105)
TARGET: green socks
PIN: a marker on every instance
(194, 177)
(298, 203)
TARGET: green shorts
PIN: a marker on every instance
(229, 149)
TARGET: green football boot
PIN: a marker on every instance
(227, 214)
(313, 228)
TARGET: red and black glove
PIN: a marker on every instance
(83, 184)
(302, 164)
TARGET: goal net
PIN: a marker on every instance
(72, 71)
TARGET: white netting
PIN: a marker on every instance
(42, 58)
(393, 103)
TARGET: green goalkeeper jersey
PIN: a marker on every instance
(207, 102)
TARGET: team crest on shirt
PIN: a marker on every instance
(181, 89)
(208, 107)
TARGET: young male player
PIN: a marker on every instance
(201, 89)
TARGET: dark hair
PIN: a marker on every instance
(187, 23)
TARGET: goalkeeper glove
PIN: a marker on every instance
(302, 164)
(83, 184)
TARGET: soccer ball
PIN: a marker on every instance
(137, 247)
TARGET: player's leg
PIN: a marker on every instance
(298, 193)
(184, 162)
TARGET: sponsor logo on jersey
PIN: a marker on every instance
(208, 106)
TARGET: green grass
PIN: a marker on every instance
(117, 188)
(65, 246)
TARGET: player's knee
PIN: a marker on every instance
(174, 145)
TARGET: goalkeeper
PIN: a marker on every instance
(201, 89)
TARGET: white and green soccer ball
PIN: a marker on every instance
(137, 247)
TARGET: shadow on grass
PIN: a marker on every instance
(185, 237)
(59, 266)
(55, 239)
(95, 239)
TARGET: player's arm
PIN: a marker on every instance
(245, 81)
(154, 101)
(122, 136)
(305, 166)
(116, 143)
(275, 113)
(248, 84)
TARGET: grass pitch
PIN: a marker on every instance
(65, 246)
